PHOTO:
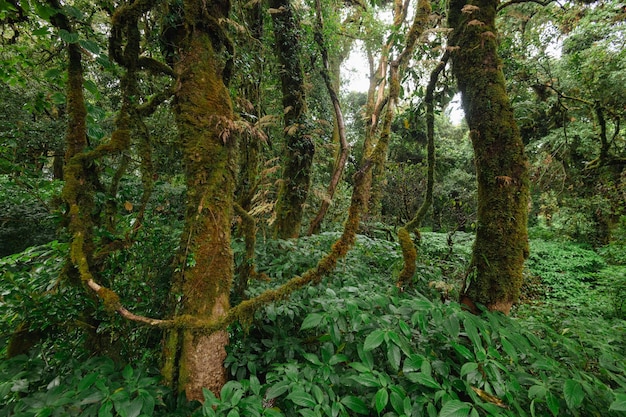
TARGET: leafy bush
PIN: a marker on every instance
(96, 387)
(568, 270)
(363, 348)
(25, 219)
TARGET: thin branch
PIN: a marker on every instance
(512, 2)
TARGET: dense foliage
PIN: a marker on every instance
(354, 344)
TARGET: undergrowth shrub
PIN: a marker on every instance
(354, 345)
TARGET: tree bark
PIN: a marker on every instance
(299, 149)
(204, 116)
(501, 245)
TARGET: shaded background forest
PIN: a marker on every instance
(385, 352)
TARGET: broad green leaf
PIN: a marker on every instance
(381, 399)
(573, 393)
(127, 372)
(308, 413)
(106, 409)
(509, 349)
(233, 413)
(413, 363)
(72, 11)
(277, 389)
(537, 391)
(472, 333)
(359, 367)
(311, 357)
(397, 402)
(553, 403)
(373, 340)
(91, 46)
(468, 367)
(463, 351)
(406, 330)
(355, 404)
(318, 394)
(423, 379)
(302, 398)
(311, 321)
(394, 357)
(367, 380)
(43, 31)
(455, 408)
(255, 385)
(129, 408)
(58, 98)
(67, 36)
(620, 402)
(87, 381)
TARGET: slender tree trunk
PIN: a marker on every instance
(202, 107)
(501, 245)
(299, 148)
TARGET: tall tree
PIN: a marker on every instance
(495, 275)
(299, 147)
(201, 57)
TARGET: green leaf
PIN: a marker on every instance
(106, 409)
(468, 367)
(553, 403)
(255, 385)
(406, 330)
(67, 36)
(87, 381)
(394, 357)
(620, 402)
(277, 390)
(573, 393)
(381, 399)
(472, 333)
(129, 408)
(233, 413)
(463, 351)
(311, 321)
(302, 398)
(58, 98)
(537, 391)
(455, 408)
(397, 402)
(43, 31)
(127, 373)
(413, 363)
(311, 357)
(355, 404)
(373, 340)
(71, 11)
(366, 379)
(423, 379)
(308, 413)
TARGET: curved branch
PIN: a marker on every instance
(409, 251)
(341, 129)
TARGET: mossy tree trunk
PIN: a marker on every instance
(501, 245)
(203, 111)
(299, 147)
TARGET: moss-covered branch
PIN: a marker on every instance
(409, 250)
(344, 147)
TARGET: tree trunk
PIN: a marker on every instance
(299, 148)
(202, 107)
(501, 245)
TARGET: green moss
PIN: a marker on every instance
(501, 238)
